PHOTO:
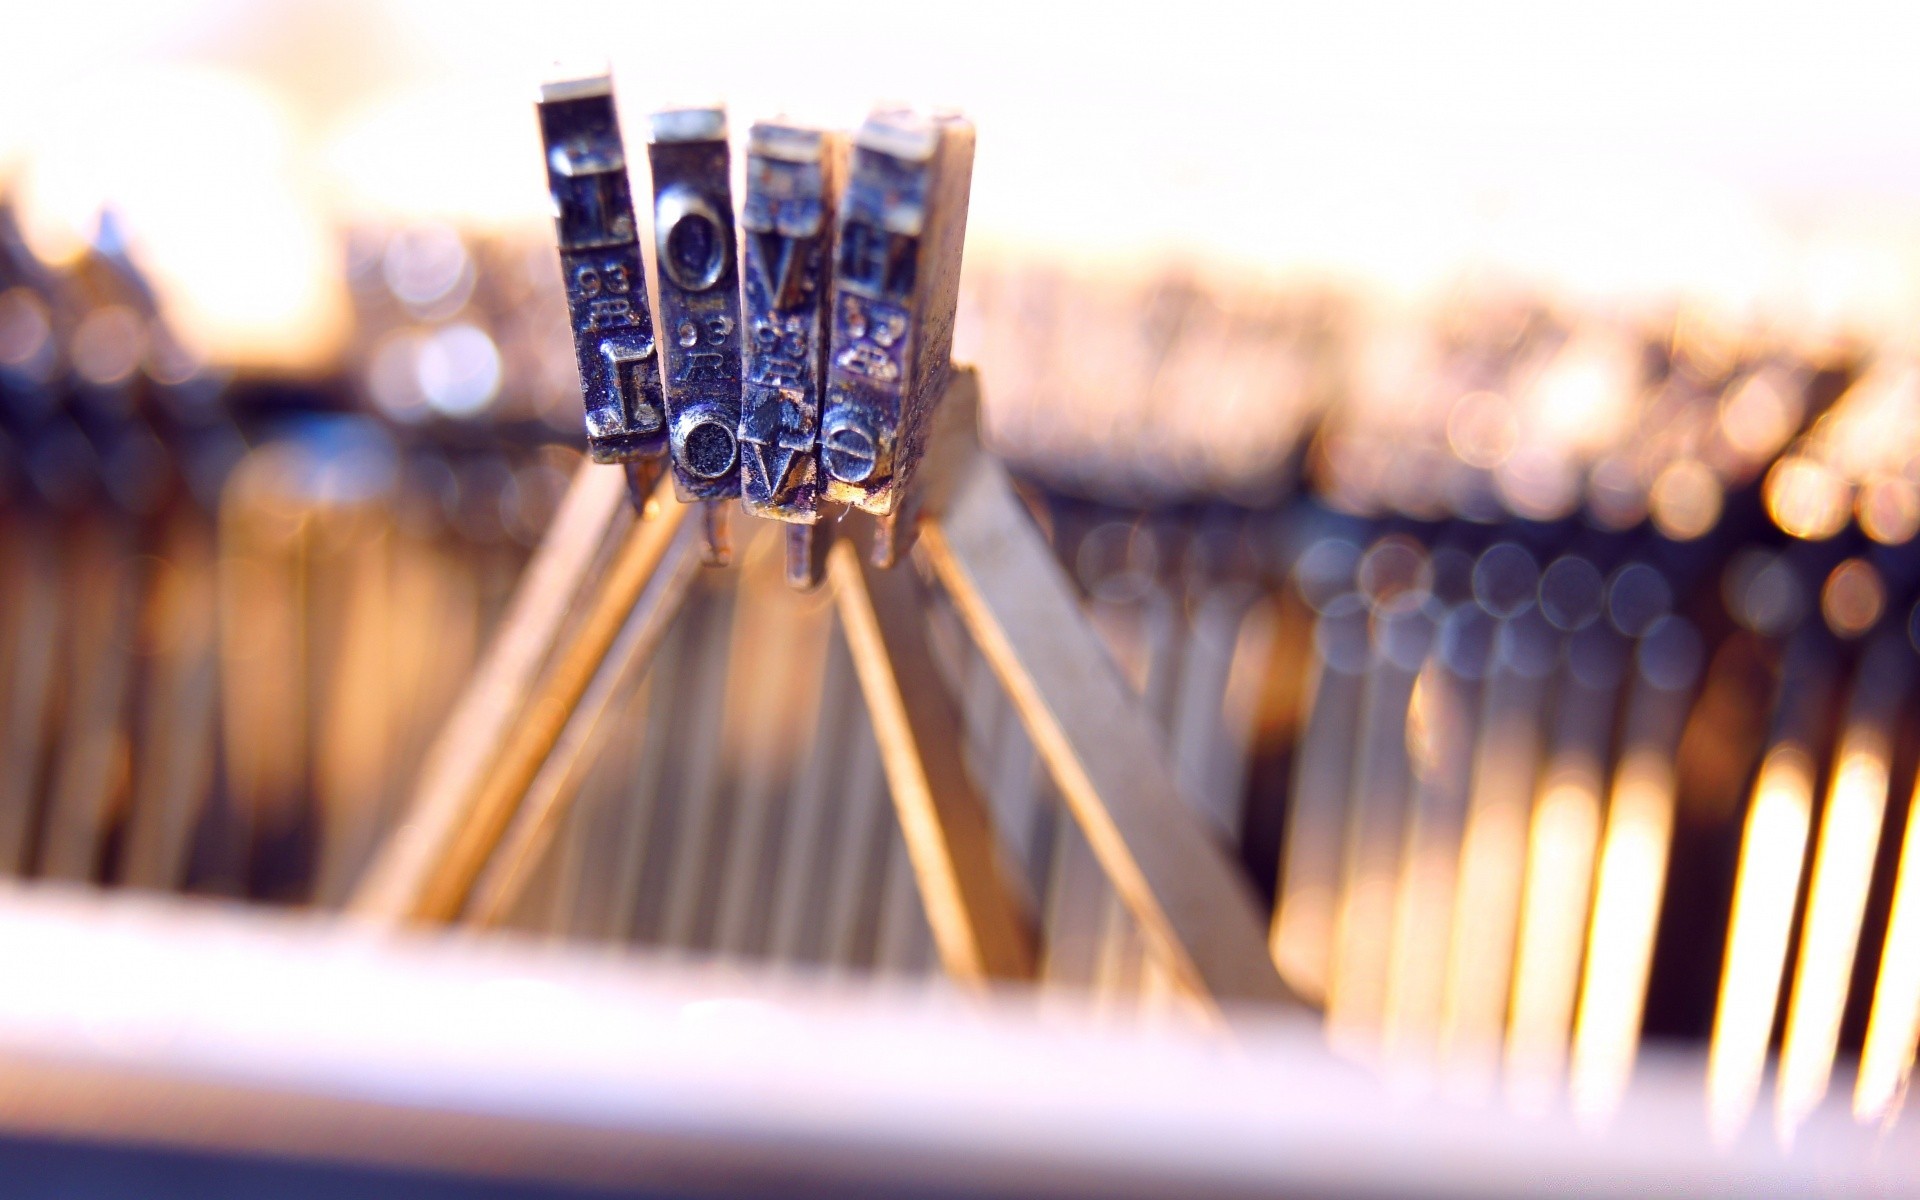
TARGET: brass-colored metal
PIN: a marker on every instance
(89, 781)
(806, 554)
(174, 754)
(550, 797)
(395, 887)
(977, 923)
(777, 650)
(1179, 886)
(445, 886)
(1101, 747)
(716, 533)
(30, 621)
(265, 596)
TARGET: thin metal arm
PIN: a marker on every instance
(495, 695)
(1103, 751)
(1197, 913)
(456, 821)
(551, 795)
(977, 922)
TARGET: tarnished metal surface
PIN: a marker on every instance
(793, 176)
(699, 298)
(600, 262)
(895, 282)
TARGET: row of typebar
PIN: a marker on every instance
(798, 370)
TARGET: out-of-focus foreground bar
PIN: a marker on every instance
(235, 1049)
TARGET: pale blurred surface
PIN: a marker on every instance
(1755, 164)
(276, 1036)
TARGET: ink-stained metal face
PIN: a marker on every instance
(895, 280)
(699, 299)
(601, 266)
(787, 226)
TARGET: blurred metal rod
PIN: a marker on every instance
(448, 879)
(395, 886)
(1493, 855)
(1772, 855)
(179, 723)
(1563, 846)
(33, 624)
(1630, 880)
(1893, 1027)
(1766, 890)
(976, 919)
(1837, 892)
(88, 781)
(550, 797)
(1376, 815)
(1429, 887)
(1101, 747)
(1303, 919)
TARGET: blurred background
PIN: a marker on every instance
(1753, 168)
(1487, 435)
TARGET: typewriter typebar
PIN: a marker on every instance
(699, 298)
(793, 174)
(600, 261)
(895, 283)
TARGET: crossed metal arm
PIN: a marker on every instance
(516, 748)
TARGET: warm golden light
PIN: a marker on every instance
(1423, 913)
(1836, 901)
(1493, 859)
(1482, 430)
(1417, 975)
(1583, 397)
(1480, 958)
(1357, 983)
(1758, 417)
(1553, 917)
(1772, 851)
(1306, 909)
(1377, 809)
(1875, 425)
(1886, 1059)
(198, 166)
(1686, 500)
(1888, 509)
(1301, 938)
(1853, 598)
(1807, 498)
(1626, 917)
